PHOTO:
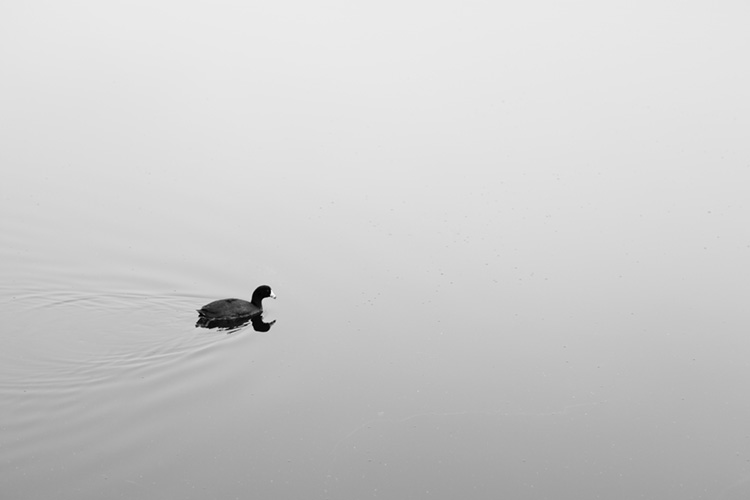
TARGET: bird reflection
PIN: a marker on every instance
(234, 324)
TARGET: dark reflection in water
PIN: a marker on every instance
(234, 324)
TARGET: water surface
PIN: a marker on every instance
(509, 245)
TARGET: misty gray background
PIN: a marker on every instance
(509, 240)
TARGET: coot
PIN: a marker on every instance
(227, 309)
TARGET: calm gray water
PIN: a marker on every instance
(510, 247)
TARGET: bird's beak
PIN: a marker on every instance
(273, 295)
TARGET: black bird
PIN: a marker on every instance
(235, 309)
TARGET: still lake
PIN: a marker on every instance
(511, 251)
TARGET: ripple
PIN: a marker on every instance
(78, 367)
